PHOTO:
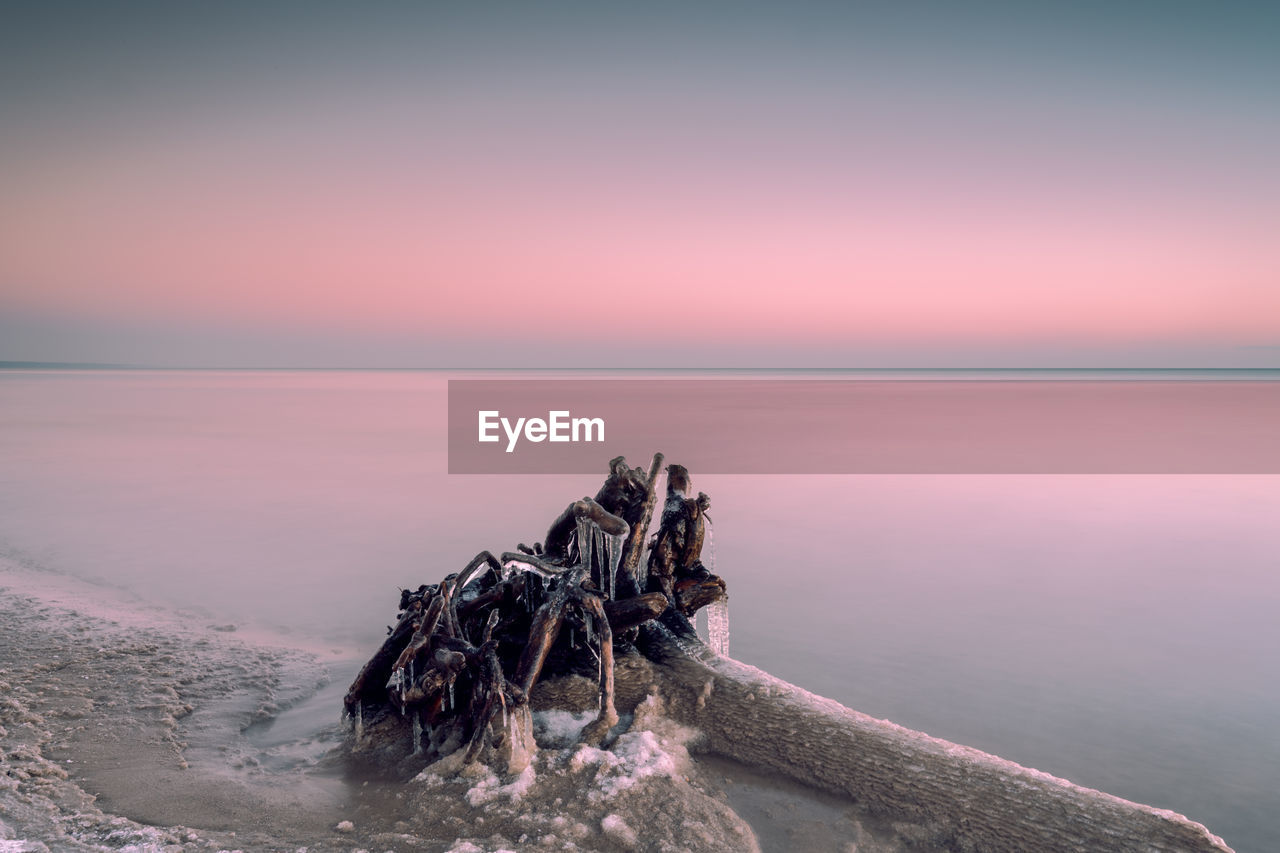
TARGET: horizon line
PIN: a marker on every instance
(76, 365)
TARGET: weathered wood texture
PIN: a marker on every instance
(961, 798)
(464, 654)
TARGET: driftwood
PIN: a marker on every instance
(469, 656)
(941, 795)
(464, 654)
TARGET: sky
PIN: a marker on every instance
(640, 185)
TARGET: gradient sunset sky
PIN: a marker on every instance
(650, 184)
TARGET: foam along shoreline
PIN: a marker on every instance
(954, 797)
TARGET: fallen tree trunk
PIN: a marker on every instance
(938, 795)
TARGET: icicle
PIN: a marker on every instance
(452, 701)
(417, 733)
(597, 548)
(570, 638)
(504, 716)
(718, 627)
(613, 552)
(593, 570)
(710, 562)
(584, 542)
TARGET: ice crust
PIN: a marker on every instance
(577, 796)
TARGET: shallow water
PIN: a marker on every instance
(1114, 630)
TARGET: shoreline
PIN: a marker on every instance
(127, 721)
(108, 711)
(127, 724)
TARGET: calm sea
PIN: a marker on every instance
(1119, 631)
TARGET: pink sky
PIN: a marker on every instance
(122, 239)
(906, 215)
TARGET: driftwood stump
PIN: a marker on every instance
(465, 654)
